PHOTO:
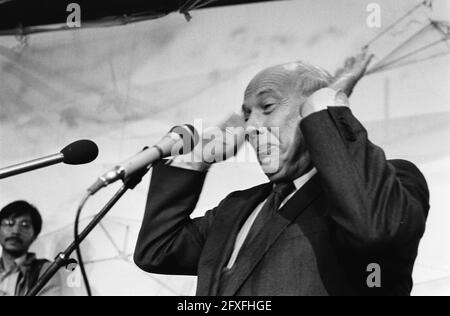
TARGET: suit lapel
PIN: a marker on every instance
(220, 242)
(252, 253)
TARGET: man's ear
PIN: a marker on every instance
(301, 105)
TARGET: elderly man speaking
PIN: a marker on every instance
(336, 218)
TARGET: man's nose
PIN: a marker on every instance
(252, 132)
(253, 125)
(16, 230)
(254, 120)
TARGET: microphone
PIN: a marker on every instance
(77, 153)
(180, 140)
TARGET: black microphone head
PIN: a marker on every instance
(80, 152)
(189, 135)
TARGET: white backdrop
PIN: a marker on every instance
(124, 87)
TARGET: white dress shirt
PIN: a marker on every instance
(9, 278)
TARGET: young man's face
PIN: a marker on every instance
(16, 235)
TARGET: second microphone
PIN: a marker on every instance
(180, 140)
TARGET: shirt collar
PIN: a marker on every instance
(300, 182)
(23, 263)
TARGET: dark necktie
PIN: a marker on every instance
(273, 202)
(279, 193)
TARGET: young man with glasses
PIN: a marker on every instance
(20, 225)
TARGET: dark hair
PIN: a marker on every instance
(20, 208)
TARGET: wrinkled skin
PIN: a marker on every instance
(272, 100)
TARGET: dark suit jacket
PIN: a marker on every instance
(360, 209)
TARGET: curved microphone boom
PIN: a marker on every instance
(77, 153)
(180, 140)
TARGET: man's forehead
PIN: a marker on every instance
(268, 92)
(291, 67)
(267, 83)
(21, 217)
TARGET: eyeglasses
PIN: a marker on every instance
(24, 225)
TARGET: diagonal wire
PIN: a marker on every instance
(125, 257)
(108, 235)
(390, 27)
(125, 240)
(103, 260)
(445, 34)
(376, 69)
(405, 43)
(408, 63)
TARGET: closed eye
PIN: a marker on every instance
(268, 107)
(246, 115)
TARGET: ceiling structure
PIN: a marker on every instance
(22, 17)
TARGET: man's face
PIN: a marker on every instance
(271, 107)
(17, 234)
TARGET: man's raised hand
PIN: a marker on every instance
(354, 69)
(216, 144)
(223, 142)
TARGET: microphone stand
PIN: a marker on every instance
(63, 259)
(31, 165)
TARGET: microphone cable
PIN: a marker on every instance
(77, 244)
